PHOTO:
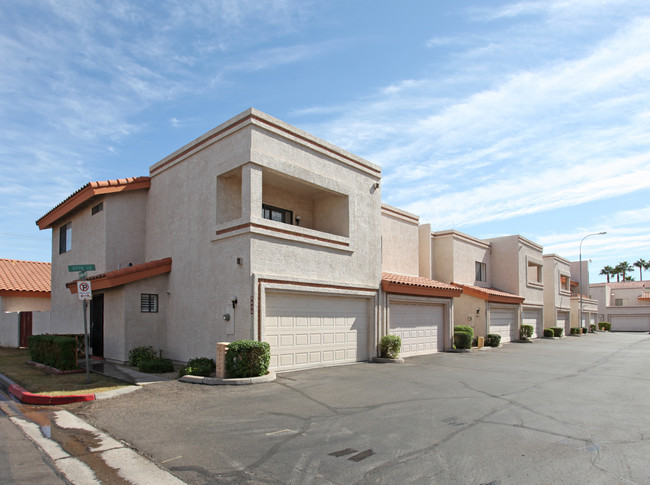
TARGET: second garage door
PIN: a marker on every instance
(630, 323)
(534, 318)
(420, 327)
(313, 330)
(504, 322)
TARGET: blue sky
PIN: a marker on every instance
(489, 117)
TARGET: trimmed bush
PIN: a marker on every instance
(576, 331)
(558, 331)
(156, 366)
(526, 332)
(493, 340)
(548, 332)
(464, 328)
(592, 328)
(390, 346)
(462, 340)
(201, 366)
(605, 326)
(141, 354)
(58, 351)
(248, 358)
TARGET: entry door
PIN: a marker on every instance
(25, 328)
(97, 325)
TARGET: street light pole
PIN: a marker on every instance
(580, 265)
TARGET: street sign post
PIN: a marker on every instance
(85, 292)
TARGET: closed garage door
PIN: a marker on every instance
(312, 331)
(534, 318)
(419, 326)
(630, 323)
(564, 320)
(504, 322)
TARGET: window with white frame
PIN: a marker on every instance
(65, 238)
(148, 303)
(481, 271)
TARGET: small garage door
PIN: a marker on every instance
(504, 322)
(534, 318)
(630, 323)
(313, 331)
(564, 320)
(592, 319)
(419, 326)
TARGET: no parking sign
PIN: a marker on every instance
(84, 290)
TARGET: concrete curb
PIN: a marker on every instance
(216, 381)
(384, 360)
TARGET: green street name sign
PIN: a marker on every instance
(81, 267)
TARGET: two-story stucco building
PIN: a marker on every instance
(557, 292)
(626, 305)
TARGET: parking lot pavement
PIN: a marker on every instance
(571, 410)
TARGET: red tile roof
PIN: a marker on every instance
(25, 276)
(87, 194)
(118, 277)
(490, 294)
(417, 285)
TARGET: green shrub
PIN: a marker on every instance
(248, 358)
(526, 331)
(576, 331)
(548, 332)
(592, 328)
(155, 366)
(464, 328)
(605, 326)
(201, 366)
(141, 354)
(558, 331)
(390, 346)
(58, 351)
(493, 340)
(462, 340)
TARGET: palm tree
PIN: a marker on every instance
(608, 271)
(642, 264)
(622, 269)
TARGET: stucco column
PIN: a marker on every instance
(251, 192)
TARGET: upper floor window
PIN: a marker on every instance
(98, 208)
(277, 214)
(565, 283)
(65, 238)
(534, 272)
(481, 271)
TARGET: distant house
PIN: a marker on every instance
(625, 305)
(581, 296)
(24, 301)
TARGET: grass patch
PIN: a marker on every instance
(13, 364)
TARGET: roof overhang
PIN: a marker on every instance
(87, 193)
(490, 294)
(126, 275)
(26, 294)
(418, 286)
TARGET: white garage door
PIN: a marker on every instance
(312, 331)
(564, 320)
(592, 319)
(534, 318)
(419, 326)
(630, 323)
(504, 322)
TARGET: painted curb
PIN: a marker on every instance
(30, 398)
(216, 381)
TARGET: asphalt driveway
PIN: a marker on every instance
(573, 410)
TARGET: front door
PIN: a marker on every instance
(97, 325)
(25, 328)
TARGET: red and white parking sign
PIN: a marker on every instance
(84, 290)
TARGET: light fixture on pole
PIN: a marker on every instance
(580, 266)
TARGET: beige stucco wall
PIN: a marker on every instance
(465, 313)
(10, 326)
(555, 299)
(455, 255)
(25, 304)
(399, 241)
(125, 228)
